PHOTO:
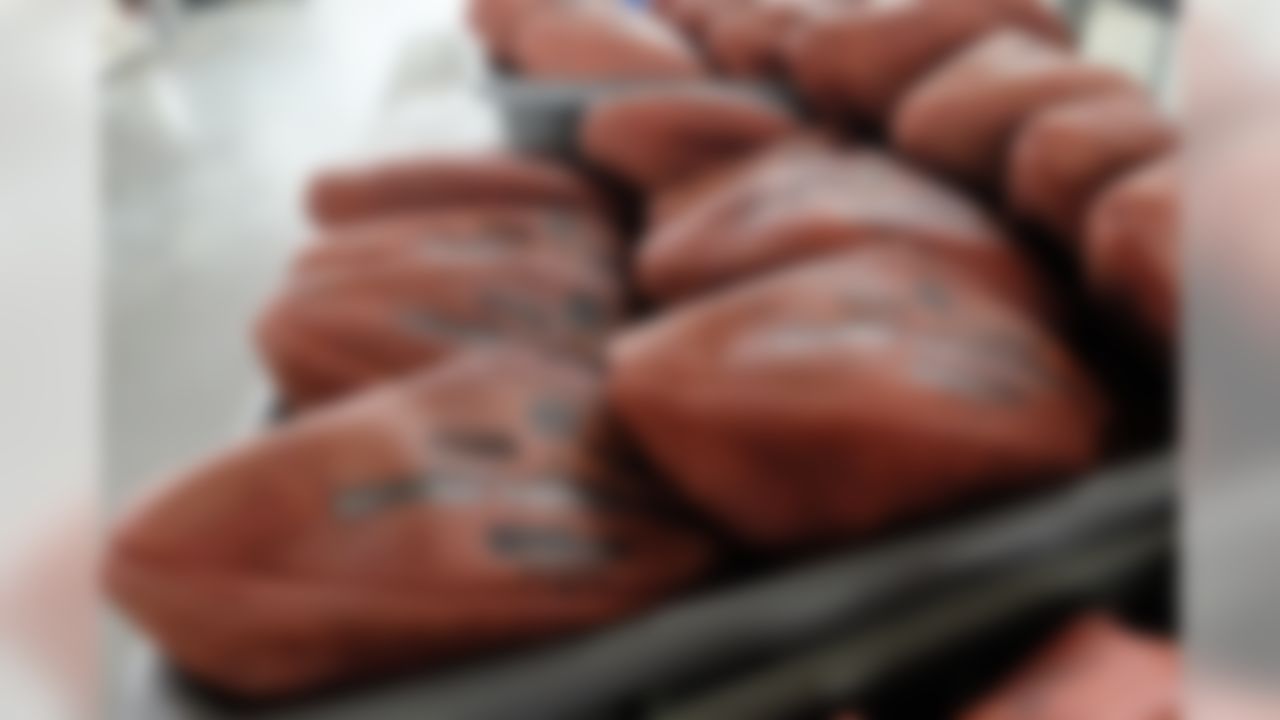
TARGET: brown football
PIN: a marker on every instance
(862, 59)
(1096, 668)
(1133, 247)
(750, 41)
(547, 231)
(498, 22)
(962, 119)
(335, 329)
(808, 198)
(353, 194)
(457, 512)
(1067, 155)
(851, 393)
(658, 137)
(602, 42)
(668, 203)
(695, 17)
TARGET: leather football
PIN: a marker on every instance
(352, 194)
(808, 198)
(750, 41)
(550, 231)
(861, 60)
(499, 22)
(695, 17)
(1067, 155)
(1132, 246)
(462, 511)
(849, 394)
(592, 42)
(335, 329)
(655, 138)
(962, 119)
(1096, 668)
(671, 202)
